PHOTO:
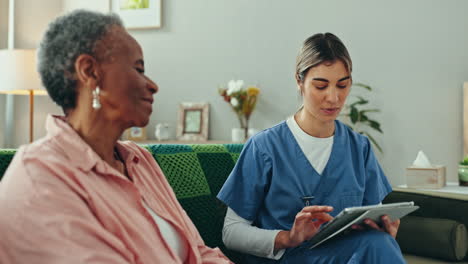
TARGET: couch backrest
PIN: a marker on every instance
(197, 173)
(6, 155)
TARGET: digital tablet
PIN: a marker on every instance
(393, 210)
(356, 215)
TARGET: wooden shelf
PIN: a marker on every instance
(451, 190)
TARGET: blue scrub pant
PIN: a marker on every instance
(359, 247)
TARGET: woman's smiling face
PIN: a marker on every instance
(127, 93)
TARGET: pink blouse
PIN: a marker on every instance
(61, 203)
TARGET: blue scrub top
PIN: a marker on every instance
(272, 175)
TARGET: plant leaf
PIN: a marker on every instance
(358, 117)
(361, 101)
(362, 116)
(375, 125)
(370, 110)
(373, 142)
(354, 114)
(365, 86)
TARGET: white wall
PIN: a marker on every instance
(3, 24)
(414, 54)
(96, 5)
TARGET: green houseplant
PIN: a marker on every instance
(463, 172)
(357, 115)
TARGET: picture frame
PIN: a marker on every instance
(193, 121)
(136, 134)
(465, 118)
(138, 14)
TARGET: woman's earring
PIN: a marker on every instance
(96, 102)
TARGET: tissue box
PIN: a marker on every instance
(425, 177)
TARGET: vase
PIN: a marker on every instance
(252, 131)
(463, 175)
(161, 131)
(238, 135)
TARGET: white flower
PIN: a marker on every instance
(234, 86)
(234, 102)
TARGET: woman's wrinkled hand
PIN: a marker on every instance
(386, 226)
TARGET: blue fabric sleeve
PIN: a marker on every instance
(246, 186)
(377, 185)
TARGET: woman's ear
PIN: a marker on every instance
(299, 83)
(86, 68)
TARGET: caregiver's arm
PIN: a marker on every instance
(240, 235)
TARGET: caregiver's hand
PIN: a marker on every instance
(306, 225)
(386, 226)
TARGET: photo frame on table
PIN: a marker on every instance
(138, 14)
(136, 134)
(193, 121)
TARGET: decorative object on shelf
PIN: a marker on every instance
(136, 134)
(465, 118)
(138, 14)
(193, 121)
(252, 131)
(238, 135)
(357, 117)
(162, 131)
(463, 172)
(422, 174)
(242, 101)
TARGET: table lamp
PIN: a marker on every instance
(18, 76)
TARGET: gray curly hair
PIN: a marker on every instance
(66, 38)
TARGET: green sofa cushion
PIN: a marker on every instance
(433, 237)
(205, 168)
(6, 155)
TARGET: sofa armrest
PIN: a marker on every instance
(432, 206)
(433, 237)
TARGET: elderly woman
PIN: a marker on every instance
(79, 195)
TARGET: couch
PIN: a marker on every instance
(197, 172)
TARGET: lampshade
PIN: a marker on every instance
(18, 73)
